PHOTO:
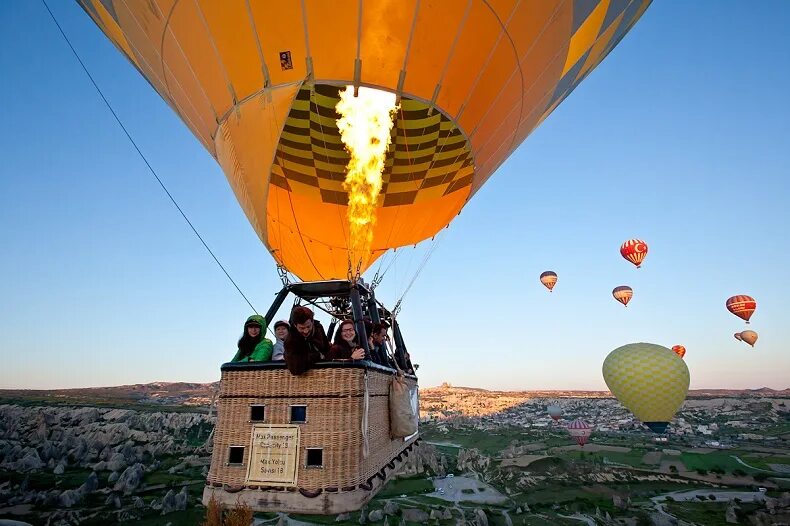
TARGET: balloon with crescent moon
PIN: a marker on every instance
(742, 306)
(634, 250)
(580, 431)
(549, 279)
(623, 294)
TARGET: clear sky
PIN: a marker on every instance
(681, 137)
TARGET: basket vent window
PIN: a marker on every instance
(235, 454)
(298, 413)
(257, 413)
(315, 457)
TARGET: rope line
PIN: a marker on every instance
(145, 160)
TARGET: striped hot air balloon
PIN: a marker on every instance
(549, 279)
(580, 431)
(623, 294)
(749, 337)
(679, 350)
(634, 250)
(742, 306)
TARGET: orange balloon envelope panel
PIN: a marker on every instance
(580, 431)
(257, 83)
(634, 250)
(749, 337)
(549, 279)
(623, 294)
(742, 306)
(679, 350)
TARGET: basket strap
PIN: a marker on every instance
(365, 408)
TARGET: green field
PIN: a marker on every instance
(632, 458)
(486, 442)
(708, 461)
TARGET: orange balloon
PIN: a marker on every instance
(623, 294)
(679, 350)
(742, 306)
(549, 279)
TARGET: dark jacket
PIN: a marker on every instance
(302, 353)
(341, 350)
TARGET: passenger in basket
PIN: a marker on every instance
(378, 349)
(346, 345)
(280, 333)
(306, 343)
(253, 347)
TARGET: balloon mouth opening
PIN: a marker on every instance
(657, 427)
(420, 131)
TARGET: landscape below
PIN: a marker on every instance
(139, 454)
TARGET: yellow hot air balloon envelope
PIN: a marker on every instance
(650, 380)
(257, 83)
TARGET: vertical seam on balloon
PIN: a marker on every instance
(503, 31)
(216, 53)
(163, 84)
(189, 65)
(164, 78)
(520, 60)
(451, 52)
(309, 57)
(411, 36)
(264, 68)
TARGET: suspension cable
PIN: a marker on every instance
(145, 160)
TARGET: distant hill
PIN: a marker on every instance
(200, 394)
(155, 393)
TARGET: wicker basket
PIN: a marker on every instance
(335, 396)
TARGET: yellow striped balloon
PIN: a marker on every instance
(649, 380)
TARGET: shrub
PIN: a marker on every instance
(702, 471)
(213, 513)
(759, 477)
(240, 515)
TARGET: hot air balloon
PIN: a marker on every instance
(262, 85)
(623, 294)
(258, 83)
(634, 250)
(738, 336)
(580, 431)
(549, 279)
(742, 306)
(555, 412)
(650, 380)
(749, 337)
(679, 350)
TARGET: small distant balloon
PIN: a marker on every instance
(580, 431)
(549, 279)
(679, 350)
(555, 412)
(634, 250)
(742, 306)
(749, 337)
(623, 294)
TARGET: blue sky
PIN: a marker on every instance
(681, 137)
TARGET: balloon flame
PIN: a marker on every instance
(365, 125)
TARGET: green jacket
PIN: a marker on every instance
(263, 350)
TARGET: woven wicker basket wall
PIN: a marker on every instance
(335, 400)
